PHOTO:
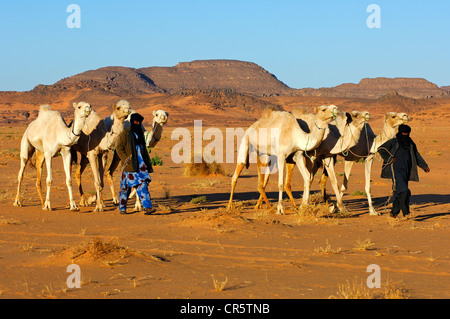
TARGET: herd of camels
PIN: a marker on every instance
(303, 139)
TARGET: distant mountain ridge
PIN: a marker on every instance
(240, 76)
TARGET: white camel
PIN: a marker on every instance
(366, 148)
(152, 138)
(342, 133)
(49, 134)
(278, 134)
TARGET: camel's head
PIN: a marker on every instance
(394, 119)
(326, 113)
(358, 118)
(82, 109)
(122, 109)
(160, 117)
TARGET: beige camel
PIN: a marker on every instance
(49, 134)
(278, 134)
(152, 137)
(342, 133)
(98, 139)
(366, 148)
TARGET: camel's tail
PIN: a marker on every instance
(243, 152)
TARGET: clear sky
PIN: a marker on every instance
(304, 43)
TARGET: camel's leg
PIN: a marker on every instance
(368, 169)
(39, 165)
(306, 174)
(234, 179)
(323, 183)
(95, 171)
(137, 206)
(109, 175)
(265, 176)
(281, 164)
(287, 186)
(101, 173)
(83, 164)
(67, 158)
(261, 186)
(48, 163)
(329, 166)
(347, 170)
(26, 151)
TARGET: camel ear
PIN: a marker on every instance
(316, 109)
(74, 105)
(154, 113)
(114, 107)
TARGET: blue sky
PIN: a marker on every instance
(304, 43)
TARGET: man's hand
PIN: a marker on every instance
(427, 170)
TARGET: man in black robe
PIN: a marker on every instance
(400, 161)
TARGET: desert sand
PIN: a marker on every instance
(201, 251)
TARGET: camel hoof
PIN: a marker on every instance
(374, 213)
(280, 210)
(98, 208)
(115, 201)
(17, 204)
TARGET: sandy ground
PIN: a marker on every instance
(184, 248)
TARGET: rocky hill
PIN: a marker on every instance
(244, 77)
(416, 88)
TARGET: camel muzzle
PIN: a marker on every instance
(87, 111)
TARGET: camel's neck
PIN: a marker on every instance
(153, 137)
(111, 137)
(387, 133)
(314, 138)
(74, 131)
(348, 139)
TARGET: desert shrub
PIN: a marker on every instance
(156, 160)
(198, 200)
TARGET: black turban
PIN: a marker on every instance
(403, 135)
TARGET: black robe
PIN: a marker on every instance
(404, 168)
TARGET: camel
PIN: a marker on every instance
(152, 137)
(49, 134)
(98, 139)
(342, 134)
(277, 133)
(95, 140)
(366, 148)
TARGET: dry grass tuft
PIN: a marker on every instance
(359, 290)
(107, 252)
(203, 168)
(364, 245)
(327, 249)
(219, 285)
(353, 290)
(313, 212)
(9, 221)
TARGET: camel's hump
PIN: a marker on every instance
(300, 111)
